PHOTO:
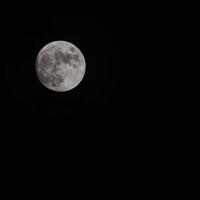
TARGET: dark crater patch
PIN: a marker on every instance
(58, 55)
(76, 57)
(72, 49)
(55, 66)
(45, 62)
(54, 79)
(67, 58)
(75, 66)
(44, 79)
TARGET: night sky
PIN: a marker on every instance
(120, 95)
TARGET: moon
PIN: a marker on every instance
(60, 66)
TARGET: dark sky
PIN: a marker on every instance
(120, 93)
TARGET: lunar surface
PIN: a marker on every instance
(60, 66)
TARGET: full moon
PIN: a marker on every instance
(60, 66)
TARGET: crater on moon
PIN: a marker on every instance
(60, 66)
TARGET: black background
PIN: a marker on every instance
(121, 94)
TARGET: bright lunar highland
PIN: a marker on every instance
(60, 66)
